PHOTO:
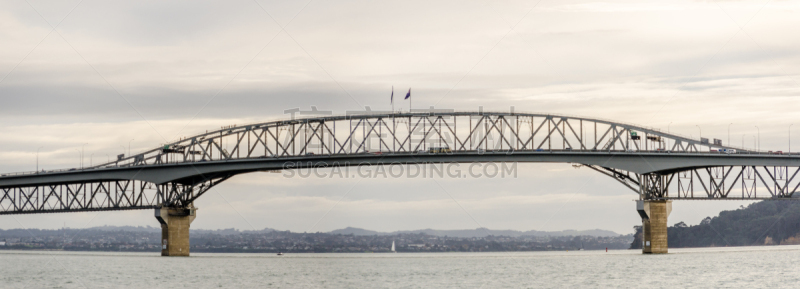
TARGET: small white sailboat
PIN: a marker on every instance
(393, 251)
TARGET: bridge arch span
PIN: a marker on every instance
(648, 161)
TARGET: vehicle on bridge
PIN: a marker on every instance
(439, 150)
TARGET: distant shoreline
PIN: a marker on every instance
(285, 252)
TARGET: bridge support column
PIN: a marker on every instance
(175, 230)
(654, 225)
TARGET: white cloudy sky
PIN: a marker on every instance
(150, 71)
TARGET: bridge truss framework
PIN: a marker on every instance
(417, 135)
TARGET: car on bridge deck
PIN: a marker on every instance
(436, 150)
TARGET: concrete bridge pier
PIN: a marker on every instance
(654, 225)
(175, 230)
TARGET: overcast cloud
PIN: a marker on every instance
(153, 71)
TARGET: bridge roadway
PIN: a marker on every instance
(658, 162)
(659, 167)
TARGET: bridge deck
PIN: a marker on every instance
(637, 162)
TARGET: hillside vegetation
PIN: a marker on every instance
(762, 223)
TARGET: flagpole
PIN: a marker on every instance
(392, 99)
(408, 96)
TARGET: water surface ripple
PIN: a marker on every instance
(755, 267)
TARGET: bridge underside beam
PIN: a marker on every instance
(712, 183)
(708, 183)
(112, 195)
(80, 197)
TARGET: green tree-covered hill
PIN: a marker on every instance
(761, 223)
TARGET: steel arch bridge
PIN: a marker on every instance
(654, 164)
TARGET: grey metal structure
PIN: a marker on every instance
(654, 164)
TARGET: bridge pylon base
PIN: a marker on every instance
(654, 225)
(175, 230)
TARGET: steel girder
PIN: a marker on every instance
(466, 135)
(411, 132)
(712, 183)
(101, 196)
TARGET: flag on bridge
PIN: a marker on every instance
(408, 95)
(391, 99)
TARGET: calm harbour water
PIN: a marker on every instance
(754, 267)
